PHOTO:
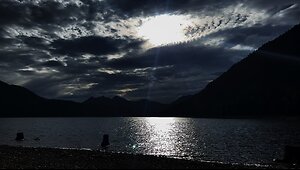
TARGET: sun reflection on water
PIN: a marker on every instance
(162, 135)
(169, 136)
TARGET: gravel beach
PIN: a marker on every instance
(47, 158)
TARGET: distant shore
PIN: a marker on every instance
(47, 158)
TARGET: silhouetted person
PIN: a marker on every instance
(105, 141)
(20, 136)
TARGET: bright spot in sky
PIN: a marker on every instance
(164, 29)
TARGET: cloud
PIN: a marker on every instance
(53, 63)
(73, 49)
(13, 12)
(130, 8)
(181, 55)
(253, 36)
(175, 70)
(94, 45)
(87, 45)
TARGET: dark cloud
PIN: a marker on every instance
(94, 45)
(150, 7)
(175, 70)
(6, 41)
(276, 4)
(253, 36)
(44, 45)
(52, 12)
(34, 42)
(288, 9)
(53, 63)
(31, 13)
(87, 45)
(47, 86)
(13, 12)
(10, 12)
(179, 55)
(18, 58)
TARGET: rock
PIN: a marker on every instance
(292, 154)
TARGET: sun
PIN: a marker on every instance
(164, 29)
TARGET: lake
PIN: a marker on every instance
(222, 140)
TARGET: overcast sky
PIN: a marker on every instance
(155, 49)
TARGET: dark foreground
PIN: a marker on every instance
(39, 158)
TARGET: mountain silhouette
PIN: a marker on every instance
(265, 83)
(18, 101)
(118, 106)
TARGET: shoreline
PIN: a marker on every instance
(17, 157)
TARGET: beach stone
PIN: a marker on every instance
(292, 154)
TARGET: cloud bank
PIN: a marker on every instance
(80, 48)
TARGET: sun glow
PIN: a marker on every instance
(164, 29)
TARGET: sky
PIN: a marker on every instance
(154, 49)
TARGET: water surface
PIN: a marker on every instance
(229, 140)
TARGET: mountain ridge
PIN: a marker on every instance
(19, 101)
(264, 83)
